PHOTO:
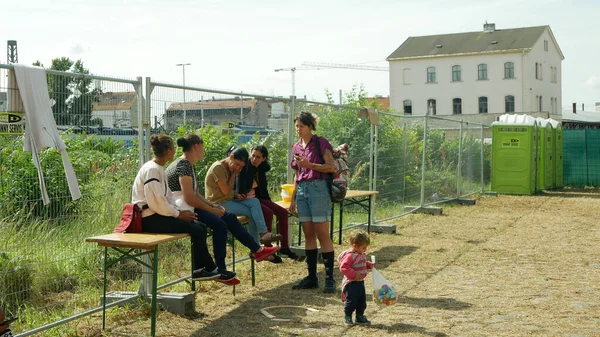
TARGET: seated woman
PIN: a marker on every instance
(181, 178)
(252, 183)
(159, 213)
(219, 186)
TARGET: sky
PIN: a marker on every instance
(236, 45)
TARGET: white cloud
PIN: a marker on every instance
(592, 82)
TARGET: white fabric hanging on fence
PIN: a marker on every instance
(40, 127)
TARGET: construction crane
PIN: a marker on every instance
(344, 66)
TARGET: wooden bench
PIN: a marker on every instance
(143, 249)
(362, 198)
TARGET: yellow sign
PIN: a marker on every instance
(510, 142)
(227, 128)
(12, 123)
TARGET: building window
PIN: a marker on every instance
(407, 106)
(406, 76)
(431, 75)
(509, 70)
(482, 72)
(553, 76)
(540, 108)
(456, 74)
(509, 103)
(538, 71)
(457, 106)
(431, 106)
(483, 104)
(546, 45)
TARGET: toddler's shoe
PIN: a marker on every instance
(362, 320)
(348, 320)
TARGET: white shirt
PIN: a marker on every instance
(150, 188)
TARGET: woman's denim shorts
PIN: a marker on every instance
(313, 201)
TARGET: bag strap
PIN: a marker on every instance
(320, 154)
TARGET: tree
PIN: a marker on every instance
(73, 96)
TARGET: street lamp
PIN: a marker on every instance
(182, 65)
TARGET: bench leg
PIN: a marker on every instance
(233, 258)
(105, 285)
(154, 283)
(253, 273)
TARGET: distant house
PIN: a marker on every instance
(382, 103)
(217, 111)
(490, 71)
(116, 109)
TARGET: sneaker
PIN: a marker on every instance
(362, 320)
(307, 283)
(329, 286)
(233, 282)
(290, 254)
(348, 320)
(226, 275)
(204, 275)
(264, 253)
(274, 259)
(269, 237)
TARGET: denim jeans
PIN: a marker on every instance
(250, 208)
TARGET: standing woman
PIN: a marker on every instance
(311, 200)
(181, 177)
(252, 183)
(159, 213)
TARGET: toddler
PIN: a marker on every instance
(354, 266)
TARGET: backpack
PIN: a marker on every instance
(131, 220)
(338, 181)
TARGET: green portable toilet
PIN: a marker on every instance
(546, 155)
(558, 153)
(514, 154)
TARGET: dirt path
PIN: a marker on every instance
(508, 266)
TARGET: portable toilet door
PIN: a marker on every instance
(558, 153)
(514, 152)
(546, 162)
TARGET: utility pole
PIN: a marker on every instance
(182, 65)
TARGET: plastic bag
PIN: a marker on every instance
(383, 291)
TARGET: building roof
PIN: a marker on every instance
(493, 41)
(382, 103)
(114, 101)
(217, 104)
(591, 117)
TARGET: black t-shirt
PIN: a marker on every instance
(180, 168)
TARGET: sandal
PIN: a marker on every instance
(269, 237)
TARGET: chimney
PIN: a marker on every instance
(574, 108)
(597, 106)
(489, 27)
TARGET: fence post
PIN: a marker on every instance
(140, 118)
(423, 160)
(148, 110)
(482, 159)
(290, 140)
(458, 168)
